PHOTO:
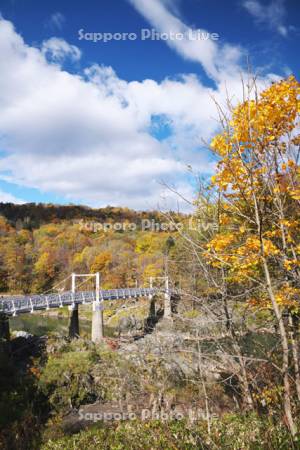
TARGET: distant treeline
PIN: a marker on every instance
(33, 215)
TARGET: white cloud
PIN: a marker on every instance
(57, 20)
(272, 14)
(87, 137)
(57, 50)
(216, 59)
(5, 197)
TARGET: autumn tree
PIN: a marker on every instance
(257, 188)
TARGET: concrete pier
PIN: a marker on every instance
(152, 301)
(4, 327)
(167, 301)
(74, 319)
(97, 321)
(74, 322)
(167, 306)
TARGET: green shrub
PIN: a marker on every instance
(67, 380)
(233, 432)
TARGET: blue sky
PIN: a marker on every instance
(109, 123)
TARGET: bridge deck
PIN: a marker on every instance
(20, 304)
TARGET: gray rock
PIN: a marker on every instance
(23, 334)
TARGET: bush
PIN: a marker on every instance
(79, 373)
(234, 432)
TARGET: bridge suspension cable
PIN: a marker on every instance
(56, 285)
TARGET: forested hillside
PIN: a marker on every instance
(33, 259)
(32, 215)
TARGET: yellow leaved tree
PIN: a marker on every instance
(257, 187)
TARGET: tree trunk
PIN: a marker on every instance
(285, 352)
(294, 345)
(247, 397)
(282, 331)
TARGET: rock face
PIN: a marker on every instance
(130, 324)
(176, 351)
(163, 359)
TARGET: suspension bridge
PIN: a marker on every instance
(23, 304)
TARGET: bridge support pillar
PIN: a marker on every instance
(4, 327)
(97, 322)
(167, 306)
(152, 300)
(152, 306)
(167, 301)
(97, 319)
(74, 321)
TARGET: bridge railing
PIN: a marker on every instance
(29, 303)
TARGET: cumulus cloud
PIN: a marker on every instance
(74, 135)
(57, 50)
(89, 137)
(5, 197)
(216, 59)
(272, 14)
